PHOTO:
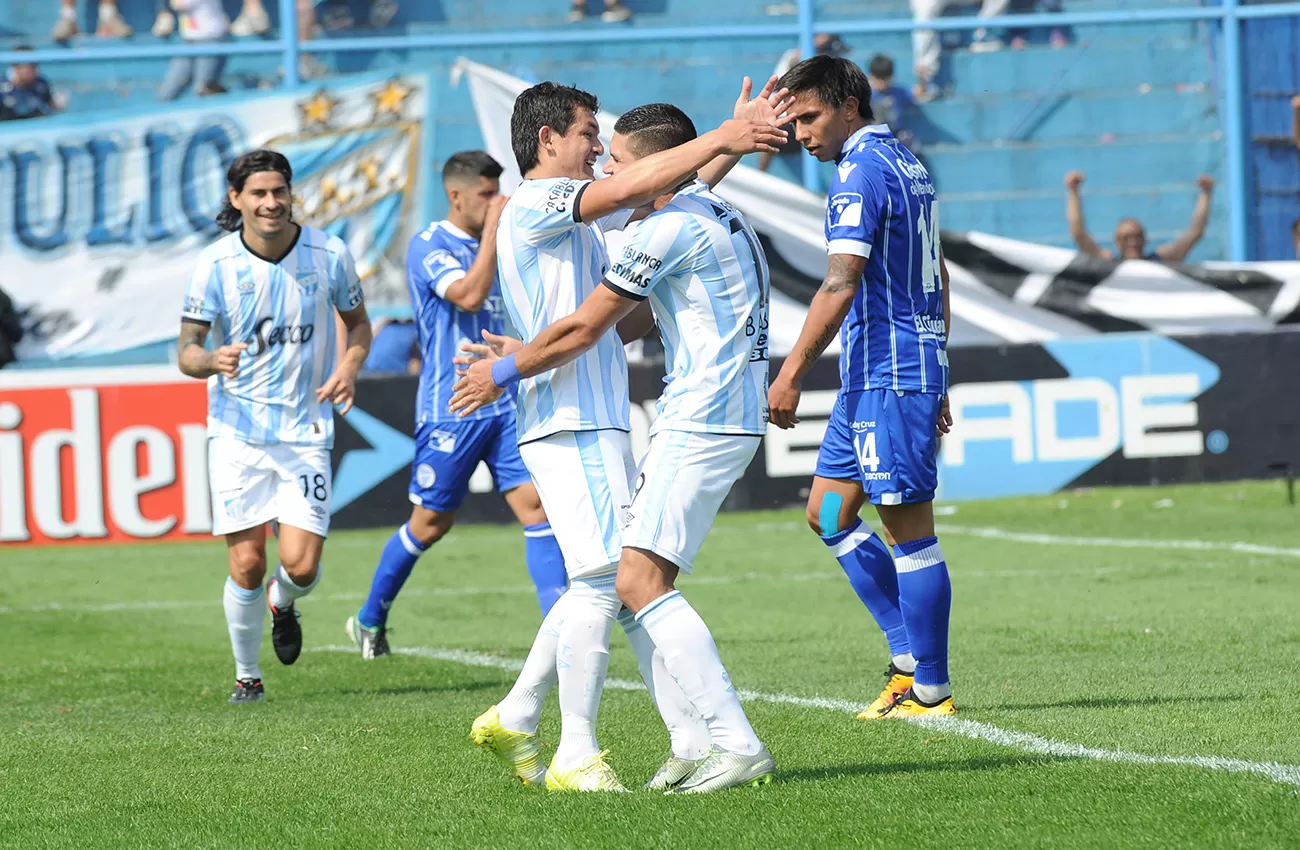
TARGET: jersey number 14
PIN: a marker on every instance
(929, 233)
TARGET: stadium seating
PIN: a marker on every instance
(1134, 106)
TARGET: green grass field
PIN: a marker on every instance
(1111, 658)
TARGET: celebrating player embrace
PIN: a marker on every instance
(270, 289)
(701, 267)
(886, 295)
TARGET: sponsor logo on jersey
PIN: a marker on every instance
(846, 209)
(266, 335)
(845, 169)
(557, 199)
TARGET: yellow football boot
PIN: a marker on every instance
(909, 706)
(594, 774)
(897, 685)
(519, 750)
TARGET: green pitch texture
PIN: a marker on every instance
(114, 730)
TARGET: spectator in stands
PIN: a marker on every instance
(890, 103)
(1130, 236)
(110, 23)
(1020, 35)
(615, 12)
(825, 44)
(926, 49)
(1295, 121)
(202, 22)
(26, 94)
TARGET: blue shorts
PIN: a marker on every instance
(886, 439)
(447, 453)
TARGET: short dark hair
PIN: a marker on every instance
(881, 67)
(544, 105)
(835, 80)
(244, 167)
(655, 127)
(468, 166)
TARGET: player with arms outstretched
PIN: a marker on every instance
(700, 265)
(270, 288)
(574, 422)
(451, 272)
(886, 295)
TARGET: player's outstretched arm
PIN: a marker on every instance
(825, 315)
(648, 178)
(561, 342)
(341, 388)
(1177, 251)
(769, 106)
(196, 361)
(471, 291)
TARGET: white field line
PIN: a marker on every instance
(1282, 773)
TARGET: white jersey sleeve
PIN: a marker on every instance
(542, 216)
(345, 284)
(656, 248)
(204, 300)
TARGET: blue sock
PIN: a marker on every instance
(865, 560)
(926, 595)
(395, 565)
(545, 564)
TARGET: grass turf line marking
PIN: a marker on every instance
(990, 533)
(1285, 774)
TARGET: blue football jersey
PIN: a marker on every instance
(436, 258)
(882, 207)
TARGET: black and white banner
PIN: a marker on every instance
(1003, 290)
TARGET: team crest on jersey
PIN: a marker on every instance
(442, 441)
(425, 476)
(354, 158)
(846, 209)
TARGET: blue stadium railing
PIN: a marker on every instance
(1228, 15)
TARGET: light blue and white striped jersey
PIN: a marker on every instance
(881, 206)
(435, 259)
(284, 310)
(548, 262)
(701, 265)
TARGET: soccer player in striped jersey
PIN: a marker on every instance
(270, 288)
(700, 265)
(574, 422)
(451, 272)
(886, 295)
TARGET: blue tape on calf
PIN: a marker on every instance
(829, 515)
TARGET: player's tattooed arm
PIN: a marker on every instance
(825, 315)
(196, 361)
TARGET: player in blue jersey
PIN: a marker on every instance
(886, 295)
(699, 264)
(270, 290)
(451, 272)
(574, 421)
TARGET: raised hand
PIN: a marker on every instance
(1205, 183)
(769, 107)
(1074, 179)
(740, 137)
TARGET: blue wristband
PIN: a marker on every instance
(505, 373)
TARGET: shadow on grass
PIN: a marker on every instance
(1116, 702)
(842, 771)
(462, 687)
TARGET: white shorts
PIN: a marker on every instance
(683, 480)
(252, 485)
(584, 480)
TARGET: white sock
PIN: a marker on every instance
(283, 592)
(68, 12)
(687, 730)
(932, 694)
(245, 614)
(581, 661)
(904, 662)
(692, 658)
(522, 707)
